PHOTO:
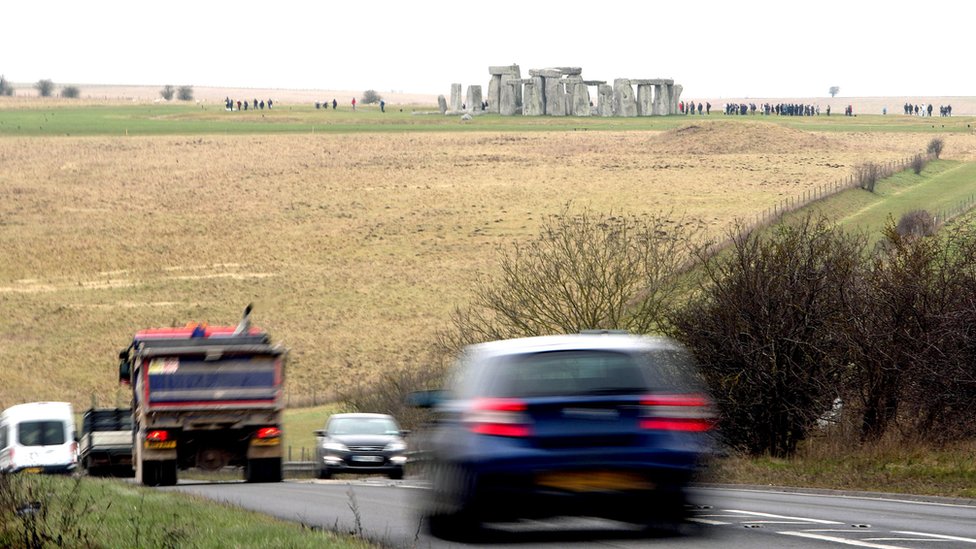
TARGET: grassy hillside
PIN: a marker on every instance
(355, 247)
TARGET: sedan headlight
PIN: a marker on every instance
(335, 447)
(396, 446)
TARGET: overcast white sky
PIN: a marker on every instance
(752, 48)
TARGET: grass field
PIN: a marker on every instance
(354, 246)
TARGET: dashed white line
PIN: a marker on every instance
(939, 536)
(769, 515)
(856, 543)
(709, 522)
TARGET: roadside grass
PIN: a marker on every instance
(912, 468)
(86, 512)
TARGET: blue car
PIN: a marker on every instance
(605, 425)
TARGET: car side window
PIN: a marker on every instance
(3, 436)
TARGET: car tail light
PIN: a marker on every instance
(157, 436)
(677, 412)
(268, 432)
(503, 417)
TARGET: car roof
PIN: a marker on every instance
(359, 415)
(574, 342)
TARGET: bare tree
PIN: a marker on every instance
(5, 88)
(185, 93)
(370, 97)
(834, 90)
(167, 92)
(70, 92)
(935, 146)
(44, 87)
(583, 271)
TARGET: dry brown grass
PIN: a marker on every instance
(353, 247)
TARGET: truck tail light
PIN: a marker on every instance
(74, 452)
(677, 412)
(503, 417)
(269, 432)
(157, 436)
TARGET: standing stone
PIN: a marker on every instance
(510, 88)
(494, 93)
(645, 100)
(675, 97)
(474, 98)
(555, 97)
(604, 105)
(659, 107)
(441, 104)
(581, 99)
(624, 103)
(456, 97)
(532, 98)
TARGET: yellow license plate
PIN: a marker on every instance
(593, 481)
(265, 441)
(32, 470)
(163, 445)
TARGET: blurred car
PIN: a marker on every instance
(604, 425)
(360, 443)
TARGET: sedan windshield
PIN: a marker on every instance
(363, 426)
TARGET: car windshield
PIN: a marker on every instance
(40, 433)
(585, 372)
(363, 426)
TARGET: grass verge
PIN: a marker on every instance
(85, 512)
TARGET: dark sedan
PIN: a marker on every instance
(605, 425)
(360, 443)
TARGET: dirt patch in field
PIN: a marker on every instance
(719, 137)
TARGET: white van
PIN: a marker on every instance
(38, 437)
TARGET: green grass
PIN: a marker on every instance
(300, 424)
(90, 512)
(181, 119)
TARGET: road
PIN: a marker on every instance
(385, 511)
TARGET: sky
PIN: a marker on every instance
(714, 49)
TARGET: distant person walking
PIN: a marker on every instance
(382, 106)
(334, 103)
(353, 103)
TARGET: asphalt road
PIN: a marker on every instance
(385, 511)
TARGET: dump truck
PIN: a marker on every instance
(105, 447)
(205, 397)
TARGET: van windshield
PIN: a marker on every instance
(40, 433)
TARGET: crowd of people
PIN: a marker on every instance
(230, 104)
(926, 110)
(690, 107)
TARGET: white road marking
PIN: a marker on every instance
(769, 515)
(842, 541)
(939, 536)
(710, 522)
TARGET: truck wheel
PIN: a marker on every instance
(167, 473)
(263, 470)
(150, 473)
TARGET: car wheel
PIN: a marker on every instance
(324, 474)
(449, 512)
(396, 475)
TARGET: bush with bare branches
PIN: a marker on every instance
(935, 147)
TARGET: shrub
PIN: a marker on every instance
(185, 93)
(44, 88)
(918, 164)
(167, 92)
(867, 175)
(917, 223)
(70, 92)
(767, 326)
(935, 147)
(370, 97)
